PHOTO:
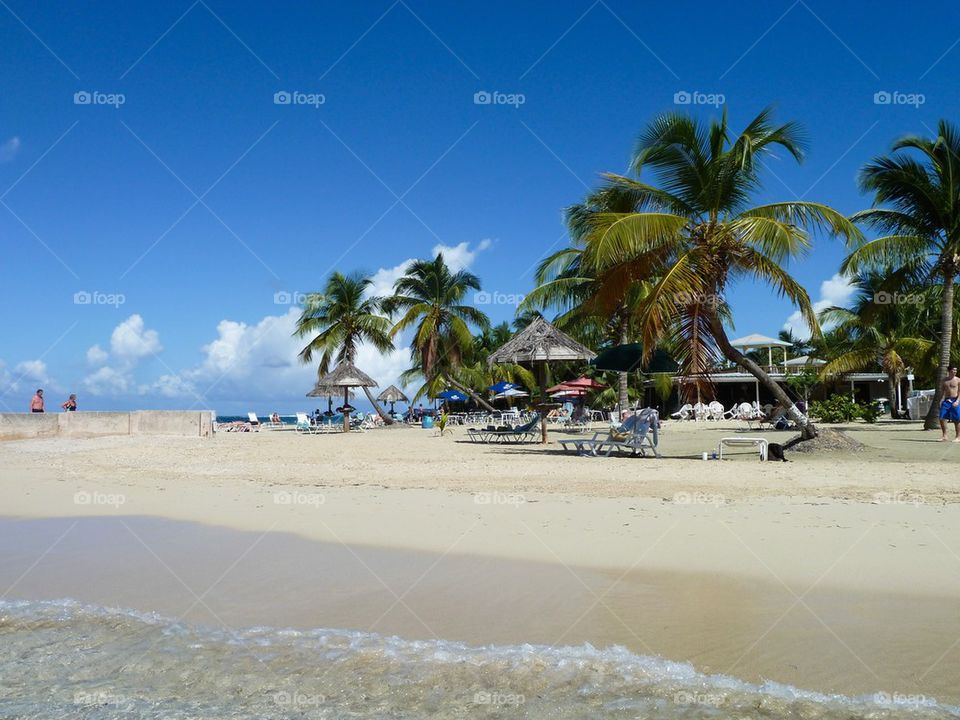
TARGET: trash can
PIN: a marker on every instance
(428, 422)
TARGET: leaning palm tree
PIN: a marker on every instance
(919, 185)
(430, 297)
(877, 334)
(695, 233)
(339, 320)
(576, 289)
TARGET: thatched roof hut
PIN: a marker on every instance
(392, 395)
(345, 376)
(541, 342)
(538, 344)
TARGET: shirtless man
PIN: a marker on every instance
(950, 407)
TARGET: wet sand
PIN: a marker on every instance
(827, 639)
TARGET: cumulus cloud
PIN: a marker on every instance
(461, 257)
(458, 257)
(836, 290)
(130, 342)
(9, 149)
(33, 370)
(258, 362)
(96, 355)
(108, 381)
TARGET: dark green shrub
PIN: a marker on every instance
(836, 409)
(870, 411)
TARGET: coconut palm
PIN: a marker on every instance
(916, 209)
(430, 298)
(876, 334)
(695, 233)
(567, 283)
(339, 320)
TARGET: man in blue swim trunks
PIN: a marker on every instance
(950, 407)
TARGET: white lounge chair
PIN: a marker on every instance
(684, 413)
(747, 415)
(303, 425)
(760, 443)
(253, 420)
(637, 434)
(716, 410)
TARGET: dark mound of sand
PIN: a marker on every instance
(827, 440)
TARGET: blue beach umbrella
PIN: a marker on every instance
(502, 386)
(452, 396)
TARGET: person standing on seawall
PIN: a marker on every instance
(71, 404)
(36, 405)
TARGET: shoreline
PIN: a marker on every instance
(751, 630)
(829, 573)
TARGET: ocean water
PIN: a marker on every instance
(62, 659)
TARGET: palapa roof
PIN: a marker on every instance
(326, 391)
(758, 341)
(346, 374)
(538, 342)
(392, 394)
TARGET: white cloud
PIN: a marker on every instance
(460, 257)
(457, 257)
(259, 363)
(9, 149)
(33, 370)
(131, 341)
(384, 279)
(836, 291)
(96, 355)
(108, 381)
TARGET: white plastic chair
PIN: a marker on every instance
(701, 412)
(716, 410)
(684, 413)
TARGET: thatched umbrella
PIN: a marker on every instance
(392, 395)
(346, 376)
(538, 344)
(326, 391)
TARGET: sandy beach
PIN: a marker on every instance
(836, 572)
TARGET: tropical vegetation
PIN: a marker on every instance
(654, 256)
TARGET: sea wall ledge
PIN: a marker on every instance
(184, 423)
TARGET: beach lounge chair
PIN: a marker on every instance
(528, 432)
(253, 420)
(716, 410)
(638, 433)
(303, 425)
(684, 413)
(747, 415)
(701, 412)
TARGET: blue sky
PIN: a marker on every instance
(188, 207)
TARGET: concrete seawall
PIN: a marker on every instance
(19, 426)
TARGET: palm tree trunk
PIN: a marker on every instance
(931, 421)
(623, 398)
(476, 398)
(376, 406)
(892, 382)
(808, 430)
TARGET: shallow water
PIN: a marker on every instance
(64, 659)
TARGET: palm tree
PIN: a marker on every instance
(876, 335)
(431, 297)
(339, 320)
(696, 233)
(919, 185)
(577, 289)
